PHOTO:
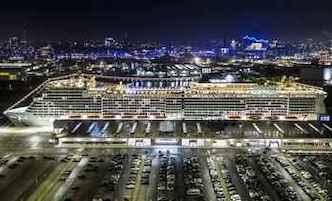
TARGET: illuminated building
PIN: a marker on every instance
(109, 42)
(256, 46)
(46, 52)
(325, 58)
(84, 98)
(13, 71)
(14, 42)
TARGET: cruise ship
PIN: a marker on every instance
(83, 97)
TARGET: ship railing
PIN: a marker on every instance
(189, 78)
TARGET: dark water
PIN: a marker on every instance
(8, 98)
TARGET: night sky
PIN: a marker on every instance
(169, 20)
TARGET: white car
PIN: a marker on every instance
(130, 186)
(193, 192)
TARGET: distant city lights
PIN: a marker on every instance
(255, 39)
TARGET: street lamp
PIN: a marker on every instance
(197, 60)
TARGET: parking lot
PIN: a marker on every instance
(21, 175)
(149, 175)
(166, 174)
(198, 129)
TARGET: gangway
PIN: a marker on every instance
(148, 128)
(91, 127)
(199, 128)
(184, 127)
(278, 128)
(133, 129)
(315, 128)
(103, 130)
(118, 130)
(300, 128)
(328, 127)
(76, 128)
(259, 131)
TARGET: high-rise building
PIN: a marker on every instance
(109, 42)
(13, 42)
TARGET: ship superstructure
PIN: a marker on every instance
(82, 97)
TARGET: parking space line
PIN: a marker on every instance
(299, 174)
(208, 191)
(71, 178)
(289, 178)
(7, 156)
(221, 176)
(139, 193)
(10, 162)
(153, 179)
(51, 184)
(266, 185)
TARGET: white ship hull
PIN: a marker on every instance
(20, 117)
(82, 99)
